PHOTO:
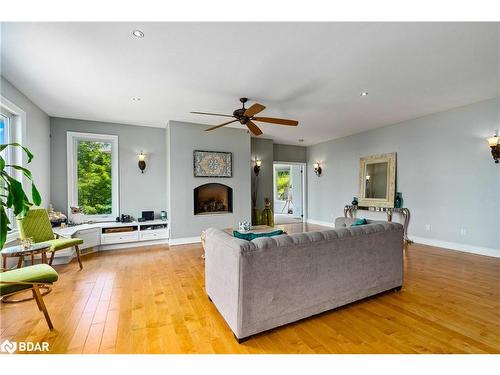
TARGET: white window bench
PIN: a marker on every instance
(112, 235)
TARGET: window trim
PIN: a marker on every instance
(17, 133)
(71, 139)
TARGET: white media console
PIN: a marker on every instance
(112, 235)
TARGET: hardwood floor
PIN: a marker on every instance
(152, 300)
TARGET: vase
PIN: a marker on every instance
(267, 214)
(256, 216)
(398, 203)
(354, 201)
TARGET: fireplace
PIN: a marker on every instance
(213, 199)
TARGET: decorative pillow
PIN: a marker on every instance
(253, 236)
(358, 222)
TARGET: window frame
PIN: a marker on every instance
(16, 133)
(72, 174)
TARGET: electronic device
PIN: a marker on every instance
(163, 215)
(124, 219)
(148, 215)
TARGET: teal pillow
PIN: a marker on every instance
(358, 222)
(253, 236)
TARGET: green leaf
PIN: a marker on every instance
(15, 144)
(35, 195)
(18, 196)
(2, 163)
(4, 226)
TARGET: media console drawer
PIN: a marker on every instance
(146, 235)
(110, 238)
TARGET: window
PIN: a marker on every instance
(282, 183)
(6, 121)
(93, 174)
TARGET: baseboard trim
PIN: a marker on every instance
(184, 240)
(487, 251)
(319, 222)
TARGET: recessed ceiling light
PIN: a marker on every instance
(138, 34)
(364, 93)
(136, 99)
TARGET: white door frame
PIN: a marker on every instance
(304, 185)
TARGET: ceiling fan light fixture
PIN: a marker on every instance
(364, 93)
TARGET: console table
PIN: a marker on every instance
(350, 211)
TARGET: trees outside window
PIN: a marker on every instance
(94, 177)
(283, 184)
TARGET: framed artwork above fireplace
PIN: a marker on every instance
(212, 164)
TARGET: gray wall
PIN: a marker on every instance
(262, 149)
(184, 138)
(138, 192)
(444, 170)
(289, 153)
(37, 137)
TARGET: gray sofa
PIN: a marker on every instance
(268, 282)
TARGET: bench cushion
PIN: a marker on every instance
(41, 273)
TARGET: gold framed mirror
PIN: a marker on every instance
(377, 180)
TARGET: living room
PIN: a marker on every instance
(338, 195)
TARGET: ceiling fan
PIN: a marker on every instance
(246, 116)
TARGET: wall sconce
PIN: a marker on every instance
(317, 169)
(142, 162)
(256, 168)
(494, 143)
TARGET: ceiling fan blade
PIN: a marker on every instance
(279, 121)
(218, 126)
(211, 114)
(254, 109)
(253, 128)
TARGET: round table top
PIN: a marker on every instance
(17, 250)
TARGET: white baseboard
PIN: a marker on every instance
(491, 252)
(323, 223)
(184, 240)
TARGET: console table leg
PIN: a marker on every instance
(406, 217)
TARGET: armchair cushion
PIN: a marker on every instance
(63, 243)
(39, 273)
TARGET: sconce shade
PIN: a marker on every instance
(142, 162)
(493, 141)
(317, 169)
(256, 168)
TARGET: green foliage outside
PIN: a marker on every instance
(283, 184)
(94, 177)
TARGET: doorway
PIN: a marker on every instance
(288, 192)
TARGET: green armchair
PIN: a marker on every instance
(29, 278)
(36, 225)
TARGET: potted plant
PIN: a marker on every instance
(12, 194)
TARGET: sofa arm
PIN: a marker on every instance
(222, 274)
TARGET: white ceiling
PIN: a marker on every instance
(311, 72)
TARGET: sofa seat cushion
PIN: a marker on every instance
(40, 273)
